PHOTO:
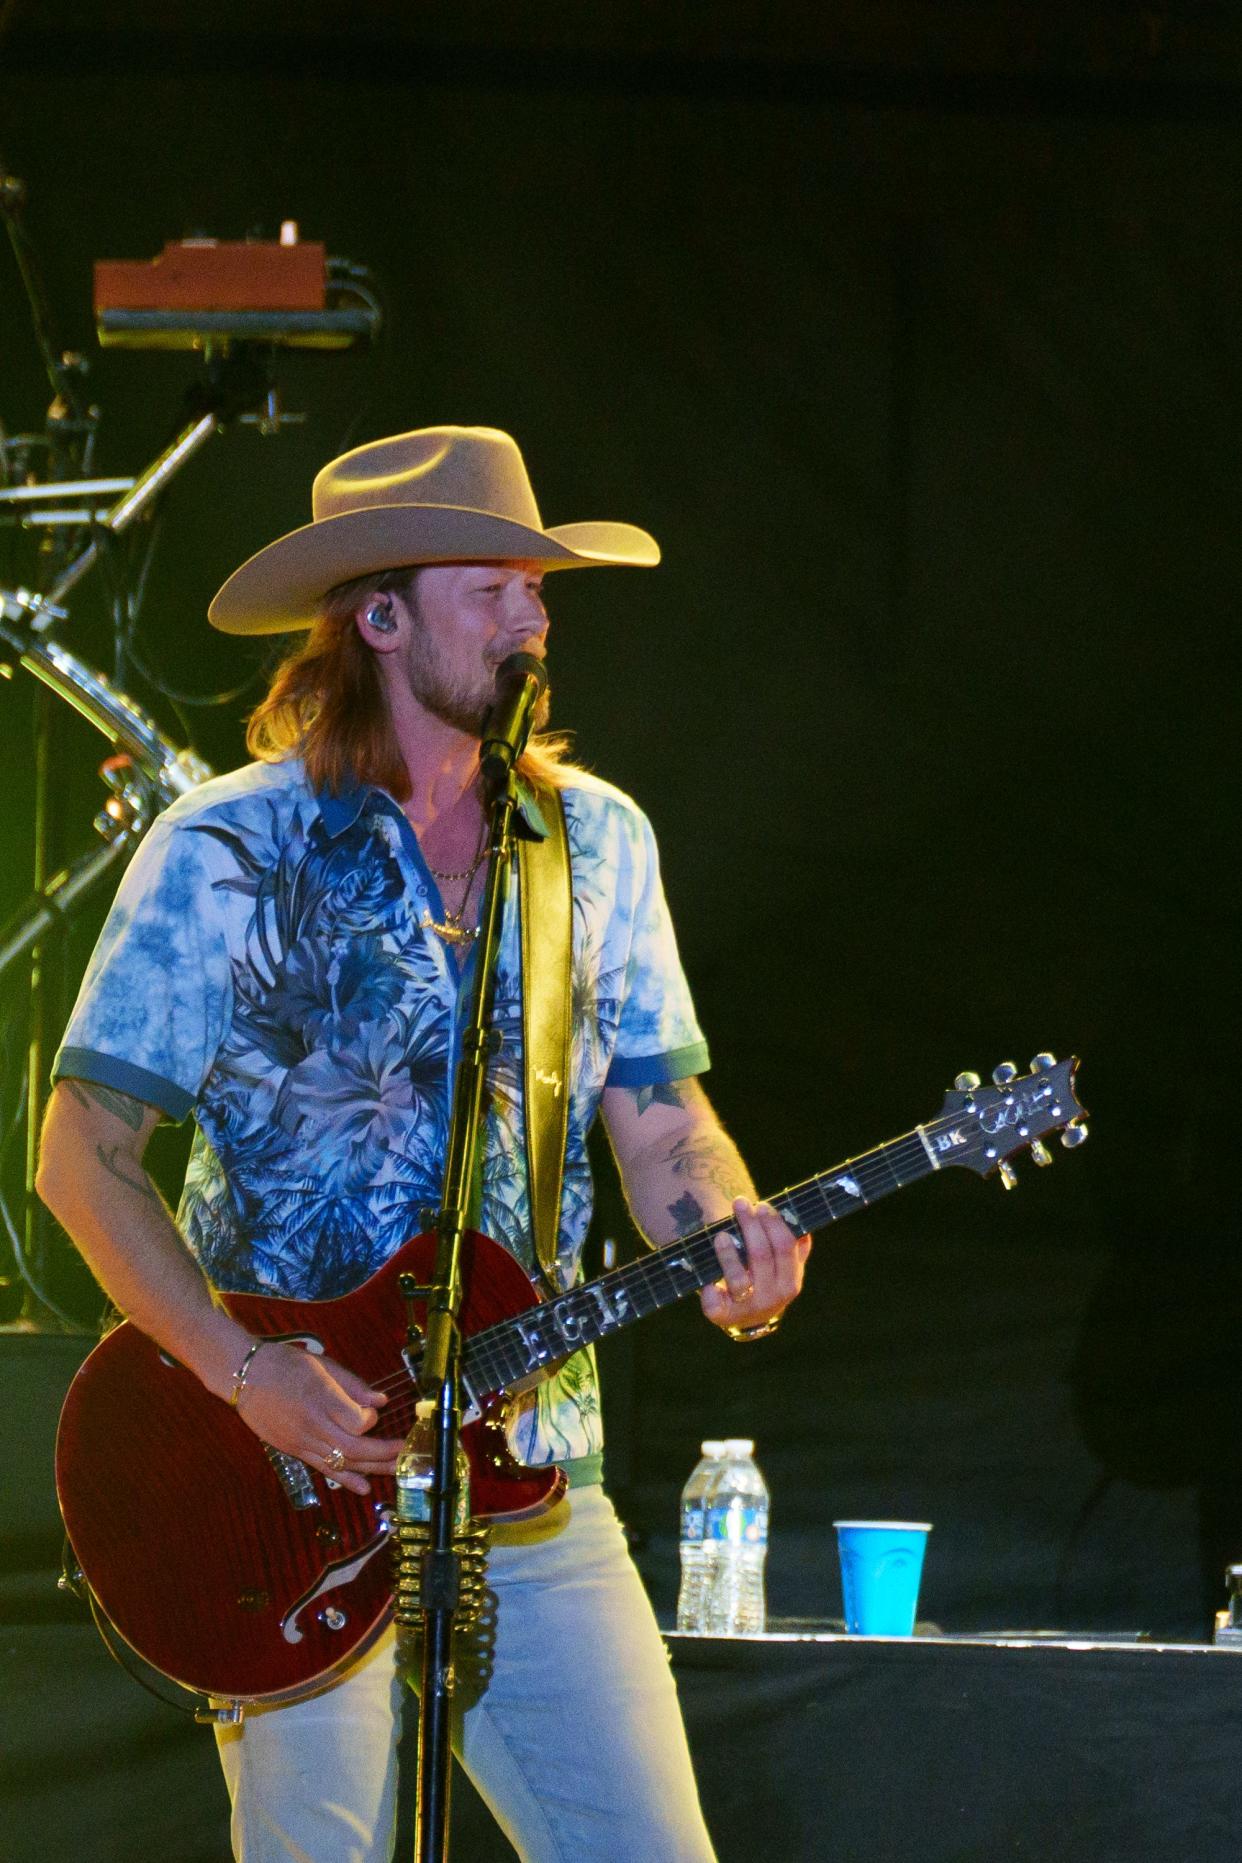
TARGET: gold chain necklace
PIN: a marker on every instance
(451, 929)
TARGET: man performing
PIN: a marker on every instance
(285, 960)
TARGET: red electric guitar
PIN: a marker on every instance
(236, 1570)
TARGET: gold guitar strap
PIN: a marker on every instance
(547, 961)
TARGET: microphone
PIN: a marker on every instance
(520, 684)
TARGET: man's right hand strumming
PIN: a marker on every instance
(315, 1409)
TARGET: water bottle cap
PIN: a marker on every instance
(739, 1445)
(713, 1448)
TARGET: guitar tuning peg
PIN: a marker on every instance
(1075, 1133)
(966, 1083)
(1043, 1063)
(1003, 1074)
(1040, 1152)
(1008, 1176)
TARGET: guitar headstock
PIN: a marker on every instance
(982, 1127)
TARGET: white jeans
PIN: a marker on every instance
(575, 1740)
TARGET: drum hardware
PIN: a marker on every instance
(43, 507)
(171, 770)
(133, 503)
(51, 909)
(272, 416)
(73, 488)
(25, 605)
(48, 489)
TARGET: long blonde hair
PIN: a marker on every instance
(326, 704)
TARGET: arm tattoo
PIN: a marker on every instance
(120, 1105)
(662, 1093)
(115, 1161)
(698, 1155)
(687, 1213)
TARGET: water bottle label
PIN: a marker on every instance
(413, 1500)
(741, 1525)
(692, 1526)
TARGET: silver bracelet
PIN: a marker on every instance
(243, 1371)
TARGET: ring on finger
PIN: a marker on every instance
(335, 1459)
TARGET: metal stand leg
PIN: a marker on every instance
(34, 1312)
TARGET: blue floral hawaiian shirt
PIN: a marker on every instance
(269, 966)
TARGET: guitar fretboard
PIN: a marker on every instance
(499, 1357)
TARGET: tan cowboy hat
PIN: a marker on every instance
(440, 495)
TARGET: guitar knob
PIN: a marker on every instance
(1003, 1074)
(1008, 1176)
(966, 1083)
(1040, 1152)
(1074, 1134)
(1043, 1063)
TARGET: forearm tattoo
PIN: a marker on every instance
(687, 1213)
(701, 1155)
(127, 1170)
(87, 1093)
(115, 1159)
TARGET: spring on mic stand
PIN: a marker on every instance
(411, 1539)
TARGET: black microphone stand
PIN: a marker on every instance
(439, 1376)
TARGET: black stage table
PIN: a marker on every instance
(965, 1749)
(840, 1749)
(808, 1745)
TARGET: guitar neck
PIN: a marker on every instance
(501, 1356)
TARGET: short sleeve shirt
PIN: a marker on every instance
(270, 965)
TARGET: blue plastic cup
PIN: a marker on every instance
(881, 1565)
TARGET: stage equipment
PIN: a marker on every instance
(252, 1577)
(415, 1475)
(521, 681)
(203, 292)
(438, 1363)
(237, 303)
(1227, 1625)
(171, 772)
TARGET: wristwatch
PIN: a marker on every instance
(746, 1334)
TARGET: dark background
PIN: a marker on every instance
(913, 335)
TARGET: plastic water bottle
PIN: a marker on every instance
(690, 1599)
(416, 1468)
(735, 1545)
(415, 1474)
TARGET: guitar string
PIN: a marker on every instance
(486, 1351)
(499, 1357)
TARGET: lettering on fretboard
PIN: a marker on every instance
(500, 1356)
